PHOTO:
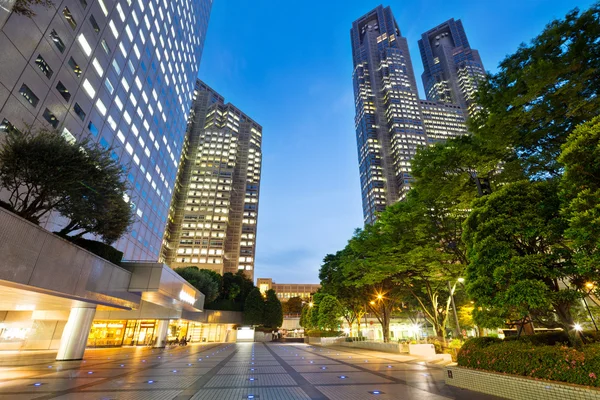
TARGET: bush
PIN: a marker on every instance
(556, 363)
(542, 339)
(319, 333)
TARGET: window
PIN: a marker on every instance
(57, 41)
(43, 66)
(105, 47)
(68, 136)
(79, 111)
(75, 67)
(115, 65)
(92, 128)
(69, 18)
(64, 92)
(94, 24)
(85, 45)
(29, 96)
(109, 86)
(51, 118)
(89, 89)
(83, 3)
(103, 7)
(98, 67)
(7, 127)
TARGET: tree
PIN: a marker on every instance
(25, 7)
(330, 312)
(580, 190)
(332, 278)
(202, 280)
(292, 306)
(254, 308)
(43, 172)
(306, 317)
(541, 93)
(273, 312)
(519, 260)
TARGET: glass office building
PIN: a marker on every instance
(213, 218)
(119, 71)
(391, 122)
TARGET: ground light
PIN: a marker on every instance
(376, 392)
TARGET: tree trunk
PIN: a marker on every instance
(563, 311)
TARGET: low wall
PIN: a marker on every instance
(325, 341)
(516, 387)
(378, 346)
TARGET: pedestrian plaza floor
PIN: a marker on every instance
(225, 371)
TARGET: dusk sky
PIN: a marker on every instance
(288, 65)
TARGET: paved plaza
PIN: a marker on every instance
(225, 371)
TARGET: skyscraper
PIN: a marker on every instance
(391, 121)
(389, 124)
(452, 69)
(119, 71)
(212, 222)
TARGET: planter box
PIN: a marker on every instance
(325, 341)
(516, 387)
(422, 350)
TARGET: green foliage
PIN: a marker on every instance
(233, 291)
(273, 312)
(254, 308)
(541, 93)
(542, 339)
(330, 312)
(557, 363)
(519, 259)
(202, 280)
(292, 306)
(42, 172)
(321, 333)
(580, 186)
(25, 7)
(306, 317)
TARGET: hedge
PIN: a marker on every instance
(556, 363)
(319, 333)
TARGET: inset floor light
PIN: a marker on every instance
(323, 367)
(38, 384)
(376, 392)
(150, 381)
(342, 376)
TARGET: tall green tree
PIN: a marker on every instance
(306, 316)
(254, 308)
(519, 259)
(273, 312)
(542, 92)
(580, 186)
(330, 312)
(351, 299)
(293, 305)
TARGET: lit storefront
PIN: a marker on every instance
(106, 334)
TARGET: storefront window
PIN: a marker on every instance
(106, 333)
(139, 332)
(178, 329)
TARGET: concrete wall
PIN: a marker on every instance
(377, 346)
(37, 258)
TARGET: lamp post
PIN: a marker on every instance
(452, 288)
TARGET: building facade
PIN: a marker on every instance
(213, 218)
(286, 291)
(391, 122)
(121, 72)
(452, 70)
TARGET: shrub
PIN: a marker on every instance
(557, 363)
(542, 339)
(320, 333)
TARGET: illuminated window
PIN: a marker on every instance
(69, 17)
(94, 24)
(43, 66)
(85, 45)
(51, 118)
(64, 92)
(89, 89)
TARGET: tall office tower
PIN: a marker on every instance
(389, 123)
(443, 121)
(452, 69)
(119, 71)
(212, 221)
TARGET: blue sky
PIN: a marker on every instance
(287, 64)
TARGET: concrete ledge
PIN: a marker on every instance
(378, 346)
(325, 341)
(516, 387)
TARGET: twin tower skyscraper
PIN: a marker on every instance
(391, 121)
